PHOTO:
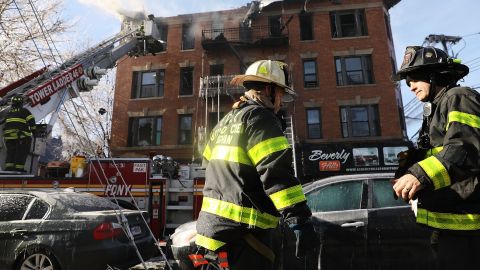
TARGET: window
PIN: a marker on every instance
(275, 25)
(348, 23)
(314, 126)
(217, 30)
(382, 194)
(37, 210)
(148, 84)
(310, 73)
(145, 131)
(214, 71)
(163, 31)
(185, 129)
(336, 197)
(186, 81)
(13, 207)
(354, 70)
(306, 27)
(188, 36)
(360, 121)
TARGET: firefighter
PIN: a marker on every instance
(445, 179)
(17, 133)
(250, 182)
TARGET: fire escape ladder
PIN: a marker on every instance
(237, 54)
(290, 134)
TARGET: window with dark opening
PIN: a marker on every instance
(186, 81)
(306, 26)
(348, 23)
(148, 84)
(188, 36)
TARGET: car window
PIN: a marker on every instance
(38, 210)
(84, 202)
(383, 194)
(13, 206)
(336, 197)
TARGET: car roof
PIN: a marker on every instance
(346, 177)
(38, 192)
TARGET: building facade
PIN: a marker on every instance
(348, 116)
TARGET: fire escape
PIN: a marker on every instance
(215, 88)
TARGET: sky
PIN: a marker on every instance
(411, 21)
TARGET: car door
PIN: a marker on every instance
(340, 216)
(395, 240)
(12, 232)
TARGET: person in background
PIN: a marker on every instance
(249, 179)
(17, 133)
(445, 176)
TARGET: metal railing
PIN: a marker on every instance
(212, 86)
(247, 35)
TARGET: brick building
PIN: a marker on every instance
(348, 116)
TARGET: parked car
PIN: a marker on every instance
(64, 229)
(361, 226)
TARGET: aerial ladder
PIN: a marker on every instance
(47, 89)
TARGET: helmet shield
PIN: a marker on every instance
(427, 60)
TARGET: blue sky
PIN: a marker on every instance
(411, 21)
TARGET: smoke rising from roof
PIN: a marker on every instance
(119, 8)
(138, 8)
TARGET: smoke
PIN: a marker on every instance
(119, 8)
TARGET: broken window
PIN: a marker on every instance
(306, 26)
(186, 81)
(348, 23)
(275, 25)
(188, 36)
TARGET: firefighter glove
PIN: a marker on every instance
(306, 238)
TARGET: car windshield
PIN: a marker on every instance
(84, 202)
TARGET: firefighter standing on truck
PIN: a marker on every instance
(446, 178)
(17, 133)
(250, 181)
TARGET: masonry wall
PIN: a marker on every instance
(328, 96)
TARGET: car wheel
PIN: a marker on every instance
(37, 260)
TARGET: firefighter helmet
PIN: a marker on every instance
(429, 60)
(268, 71)
(17, 99)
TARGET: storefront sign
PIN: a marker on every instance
(322, 160)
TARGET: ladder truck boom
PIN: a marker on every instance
(45, 90)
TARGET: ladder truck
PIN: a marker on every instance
(133, 181)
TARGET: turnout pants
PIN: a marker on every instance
(17, 152)
(247, 253)
(456, 250)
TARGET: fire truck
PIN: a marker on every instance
(150, 184)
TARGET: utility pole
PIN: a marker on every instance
(443, 39)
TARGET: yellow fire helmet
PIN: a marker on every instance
(268, 71)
